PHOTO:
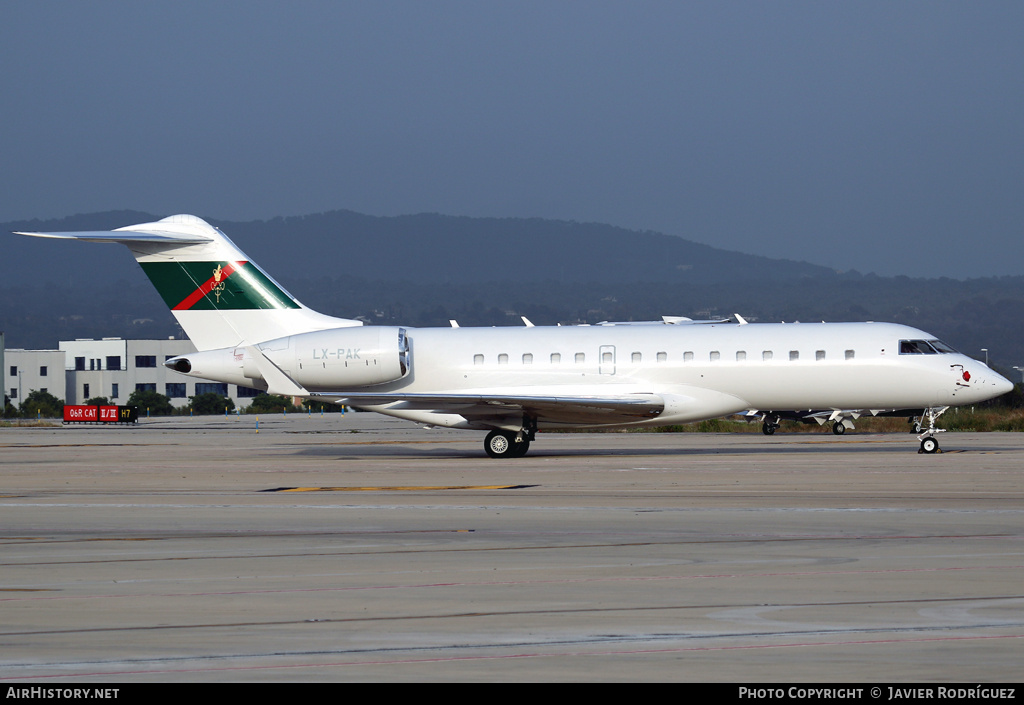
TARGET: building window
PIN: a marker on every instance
(85, 391)
(249, 392)
(80, 364)
(145, 360)
(215, 387)
(42, 371)
(175, 390)
(146, 387)
(92, 364)
(113, 362)
(14, 370)
(113, 391)
(14, 393)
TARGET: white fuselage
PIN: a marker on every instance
(701, 371)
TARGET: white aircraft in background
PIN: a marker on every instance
(513, 382)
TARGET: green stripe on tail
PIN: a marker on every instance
(216, 286)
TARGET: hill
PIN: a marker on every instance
(423, 270)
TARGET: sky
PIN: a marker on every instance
(885, 137)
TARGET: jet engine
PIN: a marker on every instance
(340, 358)
(326, 360)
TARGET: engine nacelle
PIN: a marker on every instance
(340, 358)
(326, 360)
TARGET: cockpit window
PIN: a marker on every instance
(916, 347)
(924, 347)
(941, 347)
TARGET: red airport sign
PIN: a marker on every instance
(78, 413)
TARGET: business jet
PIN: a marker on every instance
(514, 382)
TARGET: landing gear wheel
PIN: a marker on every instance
(499, 444)
(768, 428)
(929, 445)
(519, 449)
(838, 428)
(502, 444)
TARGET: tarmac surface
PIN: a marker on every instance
(361, 548)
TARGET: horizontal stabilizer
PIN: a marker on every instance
(127, 236)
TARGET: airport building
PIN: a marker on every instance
(28, 370)
(112, 368)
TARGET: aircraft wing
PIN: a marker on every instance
(554, 409)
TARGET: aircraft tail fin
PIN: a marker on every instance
(219, 296)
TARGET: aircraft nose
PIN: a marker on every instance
(1001, 384)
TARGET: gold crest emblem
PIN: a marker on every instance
(218, 282)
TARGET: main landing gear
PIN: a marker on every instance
(770, 424)
(505, 444)
(929, 443)
(511, 444)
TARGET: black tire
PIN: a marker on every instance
(768, 428)
(520, 449)
(500, 444)
(838, 428)
(929, 445)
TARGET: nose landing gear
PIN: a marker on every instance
(929, 443)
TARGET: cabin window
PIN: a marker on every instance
(688, 356)
(606, 357)
(556, 358)
(794, 354)
(662, 357)
(741, 355)
(849, 354)
(766, 355)
(503, 359)
(819, 354)
(637, 358)
(580, 358)
(715, 355)
(478, 359)
(527, 358)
